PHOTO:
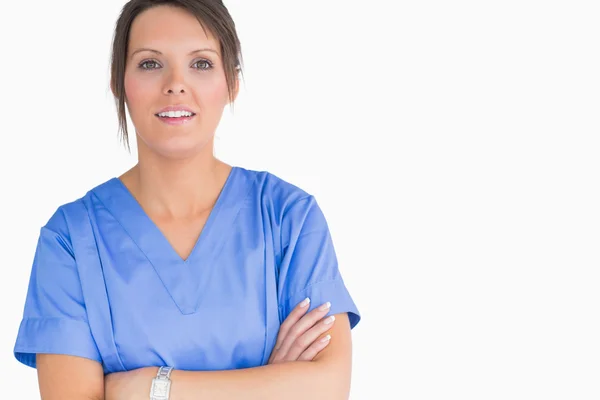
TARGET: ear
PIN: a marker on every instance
(237, 87)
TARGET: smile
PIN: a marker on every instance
(175, 117)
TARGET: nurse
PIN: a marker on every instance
(185, 277)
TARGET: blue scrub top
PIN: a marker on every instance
(107, 285)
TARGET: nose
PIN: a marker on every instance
(171, 91)
(175, 84)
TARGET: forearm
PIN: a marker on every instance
(327, 376)
(297, 380)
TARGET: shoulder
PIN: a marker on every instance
(291, 209)
(61, 221)
(276, 192)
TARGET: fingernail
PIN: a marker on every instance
(305, 302)
(325, 338)
(325, 306)
(329, 320)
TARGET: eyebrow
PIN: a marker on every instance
(159, 53)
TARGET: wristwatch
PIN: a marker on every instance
(161, 385)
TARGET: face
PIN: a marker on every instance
(173, 64)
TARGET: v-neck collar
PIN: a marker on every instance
(185, 280)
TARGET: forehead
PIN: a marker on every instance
(167, 26)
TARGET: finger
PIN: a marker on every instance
(298, 329)
(291, 319)
(272, 356)
(308, 338)
(315, 348)
(304, 342)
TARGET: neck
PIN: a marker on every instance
(176, 188)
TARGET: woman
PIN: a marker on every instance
(185, 277)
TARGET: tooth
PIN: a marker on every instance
(175, 114)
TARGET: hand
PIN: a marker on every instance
(299, 336)
(129, 385)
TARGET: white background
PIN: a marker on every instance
(453, 146)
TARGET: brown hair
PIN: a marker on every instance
(211, 14)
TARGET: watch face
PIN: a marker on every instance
(160, 389)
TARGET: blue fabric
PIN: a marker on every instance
(107, 285)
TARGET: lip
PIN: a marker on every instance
(176, 121)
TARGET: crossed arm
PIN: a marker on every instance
(327, 376)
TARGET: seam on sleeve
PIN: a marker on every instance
(312, 232)
(308, 287)
(301, 236)
(60, 238)
(287, 210)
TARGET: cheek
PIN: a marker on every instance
(137, 92)
(212, 93)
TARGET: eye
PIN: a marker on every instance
(207, 65)
(149, 65)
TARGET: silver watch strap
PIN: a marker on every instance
(164, 372)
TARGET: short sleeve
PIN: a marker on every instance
(309, 266)
(54, 318)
